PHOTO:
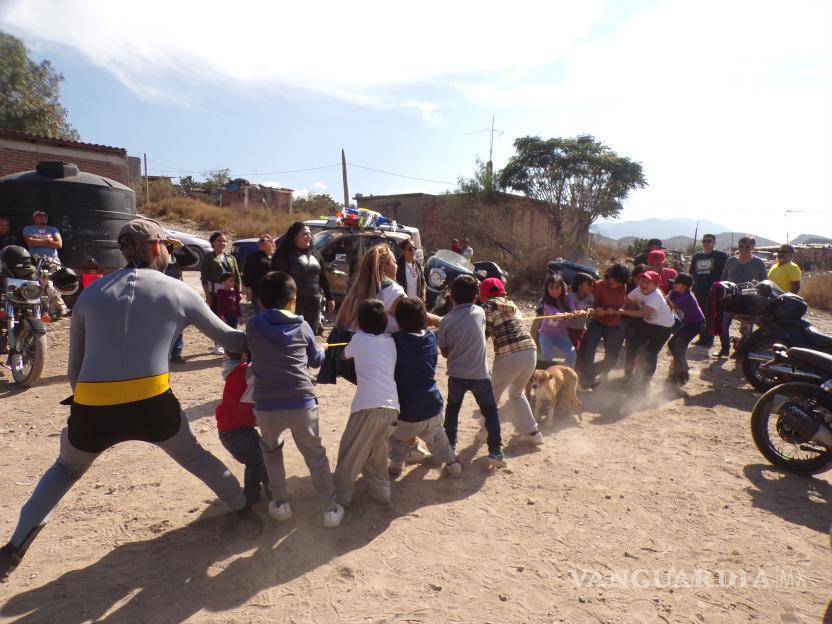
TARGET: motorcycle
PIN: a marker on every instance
(778, 318)
(444, 267)
(23, 310)
(792, 423)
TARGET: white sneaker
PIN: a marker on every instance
(333, 517)
(417, 454)
(536, 439)
(217, 350)
(281, 513)
(454, 470)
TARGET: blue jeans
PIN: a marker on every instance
(613, 338)
(562, 343)
(244, 446)
(484, 396)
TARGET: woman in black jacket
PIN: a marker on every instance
(410, 274)
(297, 257)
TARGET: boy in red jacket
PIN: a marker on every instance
(236, 422)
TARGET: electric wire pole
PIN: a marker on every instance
(344, 177)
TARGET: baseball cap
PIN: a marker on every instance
(39, 212)
(652, 276)
(657, 256)
(144, 230)
(492, 287)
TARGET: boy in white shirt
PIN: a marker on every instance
(648, 304)
(374, 411)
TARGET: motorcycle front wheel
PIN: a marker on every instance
(27, 366)
(777, 441)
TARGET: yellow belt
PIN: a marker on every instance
(118, 392)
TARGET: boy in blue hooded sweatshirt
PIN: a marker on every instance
(283, 348)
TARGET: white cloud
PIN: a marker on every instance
(304, 193)
(319, 186)
(362, 53)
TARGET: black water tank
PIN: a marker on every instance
(88, 210)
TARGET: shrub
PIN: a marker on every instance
(235, 220)
(816, 289)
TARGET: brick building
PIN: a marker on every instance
(21, 152)
(522, 218)
(241, 192)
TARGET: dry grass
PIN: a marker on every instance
(235, 221)
(817, 290)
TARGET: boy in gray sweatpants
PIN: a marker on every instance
(375, 408)
(283, 347)
(419, 398)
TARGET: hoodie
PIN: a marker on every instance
(282, 348)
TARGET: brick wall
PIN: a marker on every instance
(14, 160)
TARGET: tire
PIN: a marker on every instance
(763, 344)
(28, 376)
(760, 418)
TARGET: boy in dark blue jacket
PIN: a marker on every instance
(420, 413)
(283, 348)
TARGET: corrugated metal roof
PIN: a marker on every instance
(34, 138)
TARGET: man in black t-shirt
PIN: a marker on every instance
(706, 268)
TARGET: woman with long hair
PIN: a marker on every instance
(214, 267)
(296, 256)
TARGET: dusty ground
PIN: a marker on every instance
(653, 509)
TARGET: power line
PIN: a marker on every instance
(400, 175)
(252, 173)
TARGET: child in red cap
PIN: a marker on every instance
(654, 327)
(656, 260)
(515, 358)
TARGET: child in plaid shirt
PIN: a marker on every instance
(515, 358)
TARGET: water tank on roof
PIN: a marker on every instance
(88, 210)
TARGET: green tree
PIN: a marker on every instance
(29, 93)
(188, 184)
(317, 205)
(483, 186)
(636, 247)
(215, 180)
(578, 180)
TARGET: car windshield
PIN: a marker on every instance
(451, 257)
(321, 239)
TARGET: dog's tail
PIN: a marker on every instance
(570, 386)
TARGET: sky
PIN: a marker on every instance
(727, 104)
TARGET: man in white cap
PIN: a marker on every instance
(122, 331)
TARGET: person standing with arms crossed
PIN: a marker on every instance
(742, 268)
(122, 331)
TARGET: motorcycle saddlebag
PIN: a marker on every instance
(788, 306)
(747, 303)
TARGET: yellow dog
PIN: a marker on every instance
(549, 383)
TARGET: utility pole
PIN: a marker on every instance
(146, 183)
(344, 177)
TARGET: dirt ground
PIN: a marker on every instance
(651, 509)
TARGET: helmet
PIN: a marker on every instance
(18, 261)
(66, 281)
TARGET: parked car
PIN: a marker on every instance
(341, 247)
(200, 247)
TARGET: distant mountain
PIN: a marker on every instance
(656, 228)
(805, 239)
(724, 240)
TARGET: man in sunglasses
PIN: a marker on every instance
(786, 273)
(742, 268)
(706, 268)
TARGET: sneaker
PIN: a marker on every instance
(497, 459)
(249, 524)
(217, 350)
(281, 512)
(722, 353)
(394, 471)
(535, 438)
(417, 454)
(333, 517)
(9, 560)
(454, 469)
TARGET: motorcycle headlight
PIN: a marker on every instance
(30, 291)
(436, 278)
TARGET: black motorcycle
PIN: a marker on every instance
(444, 267)
(778, 318)
(24, 310)
(792, 422)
